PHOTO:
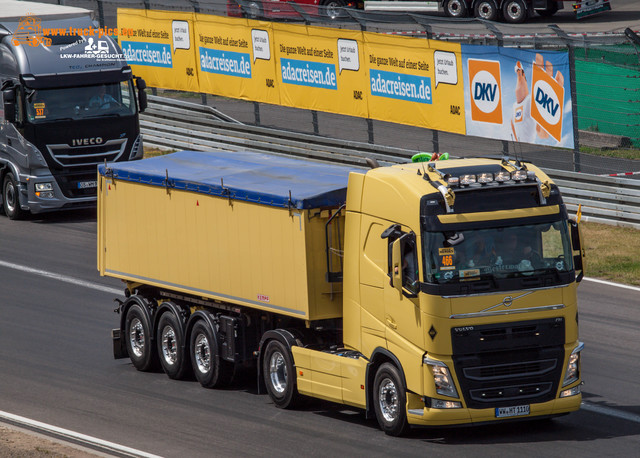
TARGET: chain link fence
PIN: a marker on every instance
(606, 82)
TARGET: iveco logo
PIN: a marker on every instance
(507, 301)
(86, 141)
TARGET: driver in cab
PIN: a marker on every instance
(102, 100)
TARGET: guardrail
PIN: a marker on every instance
(176, 124)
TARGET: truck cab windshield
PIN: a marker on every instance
(496, 253)
(72, 103)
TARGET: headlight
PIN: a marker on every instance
(44, 190)
(441, 377)
(573, 367)
(44, 187)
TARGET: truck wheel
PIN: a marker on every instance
(333, 8)
(138, 338)
(209, 369)
(11, 198)
(514, 11)
(254, 10)
(456, 8)
(486, 9)
(279, 375)
(170, 341)
(390, 400)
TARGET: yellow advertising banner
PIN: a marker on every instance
(236, 58)
(159, 47)
(415, 81)
(320, 69)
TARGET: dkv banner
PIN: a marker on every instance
(518, 95)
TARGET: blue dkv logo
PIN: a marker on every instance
(547, 102)
(485, 92)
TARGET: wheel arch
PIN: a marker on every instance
(285, 337)
(146, 307)
(171, 307)
(379, 356)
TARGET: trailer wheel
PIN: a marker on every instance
(514, 11)
(210, 370)
(456, 8)
(486, 9)
(279, 375)
(170, 339)
(390, 400)
(11, 198)
(138, 339)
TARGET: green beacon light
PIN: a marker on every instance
(426, 157)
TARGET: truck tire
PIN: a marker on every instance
(170, 340)
(486, 9)
(390, 400)
(515, 11)
(11, 198)
(254, 10)
(333, 8)
(456, 8)
(138, 339)
(279, 375)
(210, 370)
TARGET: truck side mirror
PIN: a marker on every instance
(578, 250)
(396, 265)
(9, 99)
(142, 96)
(402, 267)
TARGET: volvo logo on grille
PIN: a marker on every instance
(507, 301)
(86, 141)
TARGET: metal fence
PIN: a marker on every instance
(606, 78)
(171, 123)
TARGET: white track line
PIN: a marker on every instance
(63, 278)
(75, 437)
(610, 283)
(609, 411)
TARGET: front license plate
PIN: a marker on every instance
(513, 411)
(87, 184)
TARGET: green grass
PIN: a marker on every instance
(612, 253)
(625, 153)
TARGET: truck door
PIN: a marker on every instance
(403, 320)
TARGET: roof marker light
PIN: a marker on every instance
(519, 175)
(466, 180)
(503, 176)
(485, 177)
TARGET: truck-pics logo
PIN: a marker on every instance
(30, 32)
(547, 106)
(486, 96)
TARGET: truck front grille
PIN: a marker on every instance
(78, 156)
(502, 364)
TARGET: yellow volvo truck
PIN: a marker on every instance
(426, 293)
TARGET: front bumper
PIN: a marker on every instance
(444, 417)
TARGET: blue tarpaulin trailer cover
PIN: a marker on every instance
(241, 175)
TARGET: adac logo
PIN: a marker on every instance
(486, 95)
(29, 32)
(547, 106)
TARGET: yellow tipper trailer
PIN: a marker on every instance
(428, 293)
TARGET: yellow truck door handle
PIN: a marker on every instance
(391, 323)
